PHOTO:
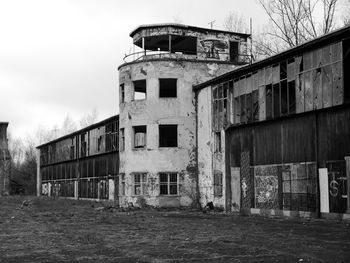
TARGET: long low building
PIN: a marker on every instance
(278, 136)
(83, 164)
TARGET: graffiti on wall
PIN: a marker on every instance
(337, 182)
(266, 187)
(212, 48)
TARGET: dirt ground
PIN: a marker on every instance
(59, 230)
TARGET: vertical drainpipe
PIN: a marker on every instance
(197, 168)
(38, 177)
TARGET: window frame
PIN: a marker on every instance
(134, 137)
(168, 183)
(141, 183)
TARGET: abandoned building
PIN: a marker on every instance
(83, 164)
(157, 107)
(200, 122)
(274, 136)
(5, 160)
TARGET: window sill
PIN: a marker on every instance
(139, 149)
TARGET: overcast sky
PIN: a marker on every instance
(60, 57)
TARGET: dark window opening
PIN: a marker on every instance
(167, 88)
(122, 93)
(283, 70)
(291, 97)
(276, 100)
(233, 51)
(284, 98)
(184, 44)
(167, 135)
(139, 89)
(140, 134)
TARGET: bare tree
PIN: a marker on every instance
(293, 22)
(68, 125)
(235, 22)
(89, 119)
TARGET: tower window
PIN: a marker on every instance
(167, 88)
(140, 133)
(139, 89)
(167, 135)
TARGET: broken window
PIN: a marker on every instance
(140, 183)
(122, 139)
(167, 135)
(122, 93)
(83, 146)
(139, 89)
(168, 184)
(140, 134)
(291, 97)
(221, 109)
(284, 97)
(217, 142)
(217, 184)
(234, 51)
(167, 88)
(112, 136)
(99, 143)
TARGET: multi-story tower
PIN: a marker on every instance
(5, 160)
(158, 149)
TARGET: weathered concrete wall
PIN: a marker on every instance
(209, 161)
(153, 111)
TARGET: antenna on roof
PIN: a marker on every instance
(211, 24)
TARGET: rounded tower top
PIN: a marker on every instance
(178, 41)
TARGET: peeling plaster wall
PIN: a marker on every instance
(153, 111)
(208, 160)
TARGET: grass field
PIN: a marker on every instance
(59, 230)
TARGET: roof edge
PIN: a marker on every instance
(336, 33)
(78, 131)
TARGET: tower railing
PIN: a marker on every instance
(210, 56)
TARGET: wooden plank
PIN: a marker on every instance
(255, 84)
(338, 92)
(299, 93)
(307, 61)
(308, 91)
(261, 77)
(255, 98)
(269, 101)
(298, 65)
(237, 110)
(317, 56)
(327, 87)
(326, 55)
(248, 84)
(317, 88)
(336, 52)
(262, 103)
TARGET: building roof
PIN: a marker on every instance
(92, 126)
(333, 36)
(200, 29)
